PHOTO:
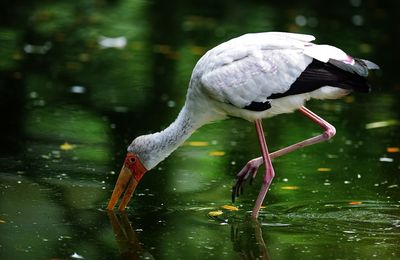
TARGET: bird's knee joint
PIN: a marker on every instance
(330, 132)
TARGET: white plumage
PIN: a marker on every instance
(252, 77)
(252, 67)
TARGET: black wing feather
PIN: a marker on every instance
(258, 106)
(319, 74)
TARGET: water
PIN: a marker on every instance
(80, 81)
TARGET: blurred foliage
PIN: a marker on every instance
(8, 49)
(95, 73)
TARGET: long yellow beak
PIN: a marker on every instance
(131, 173)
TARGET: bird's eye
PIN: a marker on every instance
(133, 160)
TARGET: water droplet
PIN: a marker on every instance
(37, 49)
(117, 42)
(171, 103)
(75, 255)
(78, 89)
(275, 224)
(385, 159)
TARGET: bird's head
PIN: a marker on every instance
(131, 172)
(144, 153)
(137, 162)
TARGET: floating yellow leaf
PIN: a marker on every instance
(216, 153)
(2, 221)
(263, 207)
(198, 143)
(198, 50)
(355, 202)
(324, 169)
(392, 149)
(229, 207)
(66, 146)
(215, 213)
(290, 187)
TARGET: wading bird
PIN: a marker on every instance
(254, 76)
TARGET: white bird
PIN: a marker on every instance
(254, 76)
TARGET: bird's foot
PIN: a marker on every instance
(250, 169)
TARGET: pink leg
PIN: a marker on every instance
(269, 169)
(329, 132)
(252, 166)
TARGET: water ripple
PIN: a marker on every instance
(367, 218)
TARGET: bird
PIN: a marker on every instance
(253, 77)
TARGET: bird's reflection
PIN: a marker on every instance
(246, 237)
(126, 238)
(248, 241)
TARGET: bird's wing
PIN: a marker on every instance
(340, 59)
(294, 36)
(241, 76)
(249, 69)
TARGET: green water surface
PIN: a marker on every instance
(73, 97)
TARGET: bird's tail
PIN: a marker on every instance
(356, 80)
(360, 66)
(369, 64)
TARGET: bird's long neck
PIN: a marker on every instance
(177, 132)
(159, 145)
